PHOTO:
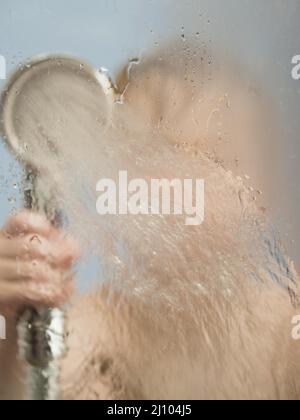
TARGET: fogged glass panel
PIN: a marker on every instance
(149, 165)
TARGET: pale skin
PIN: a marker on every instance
(32, 252)
(36, 263)
(119, 338)
(216, 345)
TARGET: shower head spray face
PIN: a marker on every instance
(44, 103)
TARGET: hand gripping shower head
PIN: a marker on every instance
(41, 110)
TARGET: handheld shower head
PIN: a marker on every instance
(41, 108)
